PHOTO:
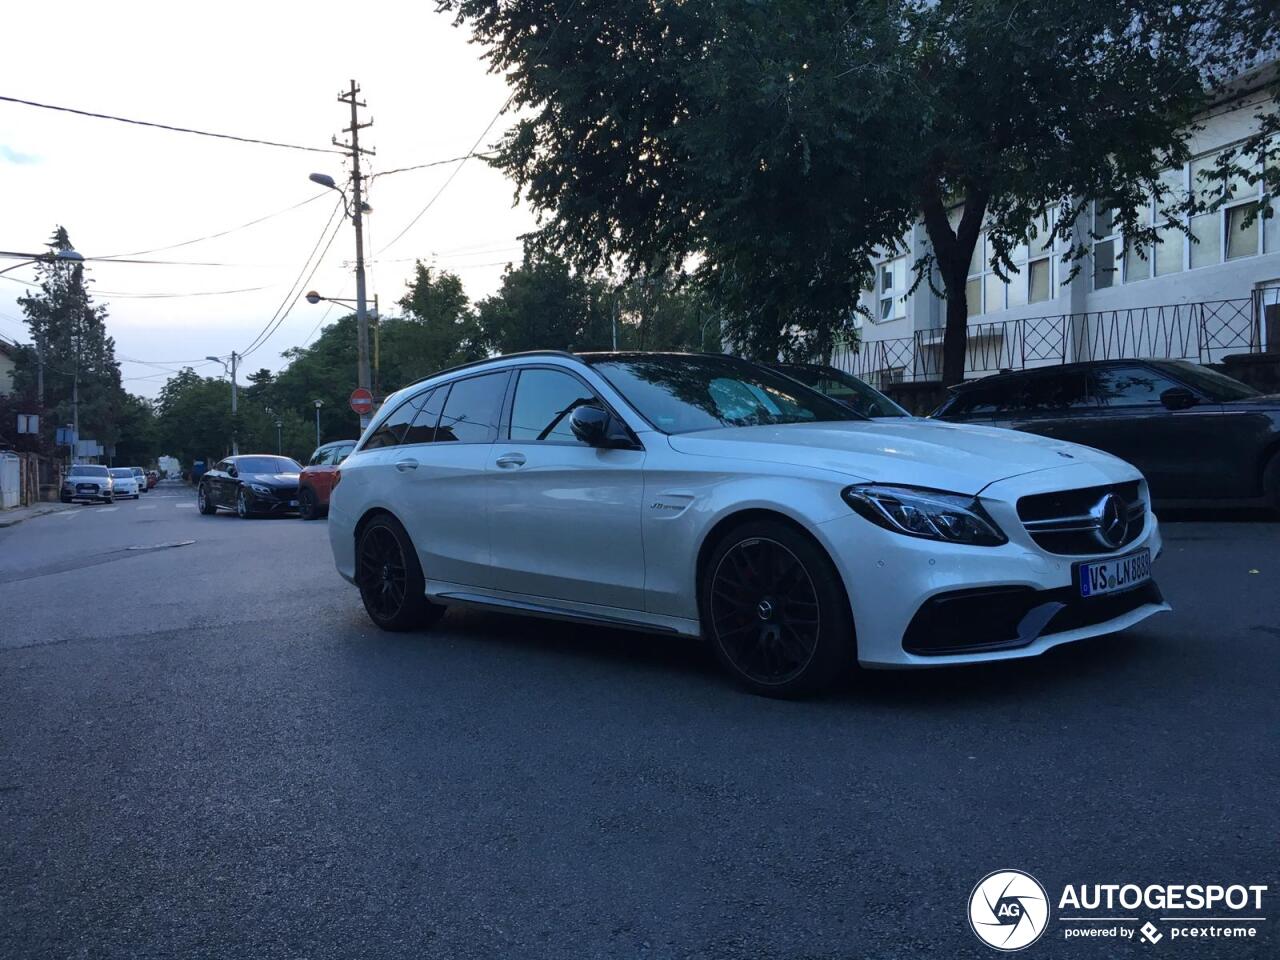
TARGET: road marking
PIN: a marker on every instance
(68, 514)
(108, 509)
(189, 506)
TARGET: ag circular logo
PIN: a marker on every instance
(1008, 910)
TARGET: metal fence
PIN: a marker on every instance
(1205, 332)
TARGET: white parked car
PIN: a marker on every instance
(125, 483)
(708, 496)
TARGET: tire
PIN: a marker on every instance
(242, 506)
(390, 578)
(308, 509)
(204, 501)
(1271, 481)
(774, 608)
(65, 499)
(110, 499)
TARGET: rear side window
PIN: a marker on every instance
(544, 401)
(1060, 391)
(473, 408)
(423, 428)
(321, 457)
(392, 429)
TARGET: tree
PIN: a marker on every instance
(543, 305)
(776, 147)
(438, 329)
(69, 333)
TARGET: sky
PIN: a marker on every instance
(263, 70)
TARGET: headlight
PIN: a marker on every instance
(260, 489)
(930, 514)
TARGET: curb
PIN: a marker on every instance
(33, 512)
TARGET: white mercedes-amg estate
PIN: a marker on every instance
(704, 495)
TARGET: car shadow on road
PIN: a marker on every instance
(624, 652)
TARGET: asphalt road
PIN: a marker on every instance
(207, 751)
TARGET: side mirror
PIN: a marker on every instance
(232, 471)
(596, 427)
(1178, 398)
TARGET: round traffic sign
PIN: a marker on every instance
(361, 401)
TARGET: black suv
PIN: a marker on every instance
(1201, 438)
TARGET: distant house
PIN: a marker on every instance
(8, 364)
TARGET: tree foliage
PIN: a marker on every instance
(777, 147)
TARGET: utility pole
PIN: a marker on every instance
(235, 443)
(354, 151)
(377, 340)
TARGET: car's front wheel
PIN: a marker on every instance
(204, 501)
(307, 507)
(774, 607)
(242, 505)
(390, 578)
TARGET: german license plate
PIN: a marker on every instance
(1114, 576)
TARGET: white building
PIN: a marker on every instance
(1201, 301)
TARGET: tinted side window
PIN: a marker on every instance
(423, 429)
(1057, 391)
(1129, 386)
(544, 400)
(393, 428)
(978, 400)
(320, 457)
(473, 408)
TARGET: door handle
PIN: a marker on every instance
(403, 465)
(509, 461)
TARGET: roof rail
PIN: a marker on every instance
(501, 356)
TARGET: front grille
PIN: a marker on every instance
(1001, 618)
(1071, 522)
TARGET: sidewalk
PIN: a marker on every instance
(10, 517)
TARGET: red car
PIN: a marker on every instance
(316, 480)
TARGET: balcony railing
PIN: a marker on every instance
(1205, 332)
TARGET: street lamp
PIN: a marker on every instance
(28, 258)
(355, 211)
(312, 297)
(279, 440)
(319, 404)
(231, 370)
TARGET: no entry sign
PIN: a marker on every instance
(361, 401)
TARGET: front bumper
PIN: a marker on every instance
(279, 501)
(897, 586)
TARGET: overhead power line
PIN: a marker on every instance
(295, 289)
(169, 127)
(433, 163)
(215, 236)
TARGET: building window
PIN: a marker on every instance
(891, 288)
(1106, 242)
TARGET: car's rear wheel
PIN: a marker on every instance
(242, 505)
(390, 578)
(204, 501)
(307, 508)
(775, 610)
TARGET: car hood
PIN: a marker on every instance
(952, 456)
(271, 479)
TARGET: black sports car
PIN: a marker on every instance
(251, 485)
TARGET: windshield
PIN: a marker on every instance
(89, 470)
(267, 465)
(122, 473)
(846, 388)
(1217, 386)
(679, 394)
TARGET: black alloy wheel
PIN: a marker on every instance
(204, 501)
(242, 505)
(775, 609)
(390, 578)
(307, 508)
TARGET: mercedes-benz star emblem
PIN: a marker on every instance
(1112, 514)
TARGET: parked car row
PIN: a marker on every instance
(92, 482)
